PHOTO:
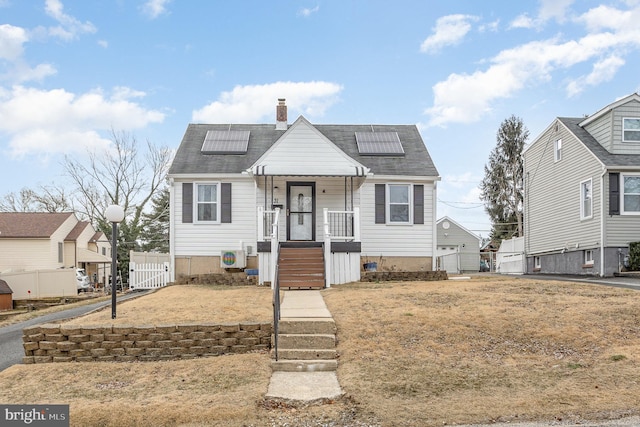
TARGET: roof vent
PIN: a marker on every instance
(281, 115)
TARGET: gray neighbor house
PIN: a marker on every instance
(582, 192)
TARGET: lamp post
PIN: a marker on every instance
(114, 215)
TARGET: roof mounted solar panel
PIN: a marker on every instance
(379, 144)
(225, 142)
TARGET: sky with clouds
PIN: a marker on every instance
(71, 71)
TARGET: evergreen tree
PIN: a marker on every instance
(155, 234)
(502, 186)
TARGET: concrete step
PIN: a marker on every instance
(304, 365)
(304, 354)
(306, 341)
(307, 326)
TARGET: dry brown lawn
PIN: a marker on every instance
(411, 354)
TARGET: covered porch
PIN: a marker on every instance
(307, 212)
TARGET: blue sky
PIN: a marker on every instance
(73, 70)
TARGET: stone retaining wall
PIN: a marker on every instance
(65, 343)
(401, 276)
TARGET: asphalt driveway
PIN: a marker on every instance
(11, 350)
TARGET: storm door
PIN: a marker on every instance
(301, 205)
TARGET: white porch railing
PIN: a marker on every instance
(340, 226)
(268, 231)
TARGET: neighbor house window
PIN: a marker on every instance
(588, 257)
(586, 199)
(631, 130)
(399, 206)
(558, 150)
(207, 206)
(104, 251)
(631, 194)
(60, 252)
(536, 262)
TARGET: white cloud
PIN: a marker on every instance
(255, 103)
(306, 12)
(490, 26)
(11, 41)
(66, 122)
(549, 9)
(103, 43)
(155, 8)
(69, 27)
(466, 98)
(449, 30)
(603, 71)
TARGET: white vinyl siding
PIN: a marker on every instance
(416, 240)
(586, 199)
(553, 200)
(630, 129)
(209, 239)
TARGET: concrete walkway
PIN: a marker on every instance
(304, 386)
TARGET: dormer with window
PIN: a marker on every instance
(617, 126)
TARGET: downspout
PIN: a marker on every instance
(172, 230)
(602, 219)
(434, 215)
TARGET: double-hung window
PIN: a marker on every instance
(586, 199)
(631, 194)
(207, 206)
(557, 149)
(399, 206)
(631, 129)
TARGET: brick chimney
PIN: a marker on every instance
(281, 115)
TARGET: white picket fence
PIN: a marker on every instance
(149, 275)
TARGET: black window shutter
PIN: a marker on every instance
(418, 204)
(380, 204)
(614, 194)
(187, 202)
(225, 198)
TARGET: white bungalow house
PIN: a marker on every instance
(244, 194)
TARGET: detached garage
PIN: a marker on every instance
(458, 249)
(6, 296)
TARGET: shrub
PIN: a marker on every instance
(634, 256)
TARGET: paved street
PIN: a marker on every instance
(11, 351)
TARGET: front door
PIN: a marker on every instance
(301, 206)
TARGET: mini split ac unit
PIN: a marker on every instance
(233, 259)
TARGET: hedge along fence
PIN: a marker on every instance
(65, 343)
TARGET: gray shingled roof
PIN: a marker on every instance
(189, 159)
(608, 159)
(30, 224)
(4, 288)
